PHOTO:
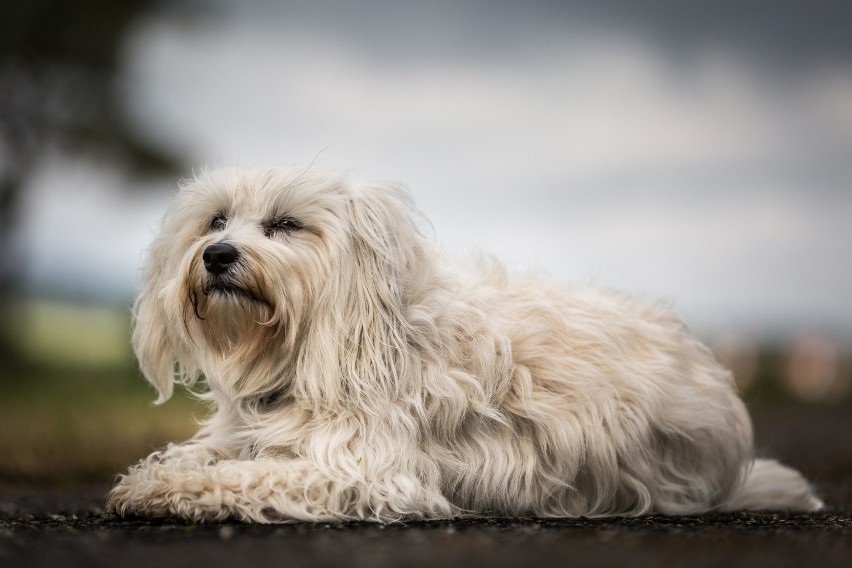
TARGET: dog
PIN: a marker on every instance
(357, 373)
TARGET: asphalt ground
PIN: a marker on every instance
(66, 526)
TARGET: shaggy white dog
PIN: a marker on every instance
(358, 374)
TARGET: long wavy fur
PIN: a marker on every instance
(356, 373)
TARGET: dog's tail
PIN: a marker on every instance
(771, 486)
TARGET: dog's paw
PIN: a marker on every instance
(156, 498)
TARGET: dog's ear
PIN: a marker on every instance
(360, 333)
(152, 341)
(385, 241)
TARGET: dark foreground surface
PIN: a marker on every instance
(66, 526)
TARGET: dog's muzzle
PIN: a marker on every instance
(219, 257)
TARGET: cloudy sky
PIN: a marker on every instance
(700, 154)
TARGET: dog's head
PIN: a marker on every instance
(259, 277)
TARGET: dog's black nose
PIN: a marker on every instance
(219, 257)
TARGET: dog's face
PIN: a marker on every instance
(254, 267)
(249, 249)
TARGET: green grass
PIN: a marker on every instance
(71, 427)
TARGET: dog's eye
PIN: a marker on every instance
(281, 224)
(217, 223)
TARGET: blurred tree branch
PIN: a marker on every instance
(58, 62)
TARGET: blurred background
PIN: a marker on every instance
(695, 152)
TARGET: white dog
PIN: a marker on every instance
(356, 373)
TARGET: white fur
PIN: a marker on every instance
(362, 375)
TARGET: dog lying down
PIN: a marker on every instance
(357, 373)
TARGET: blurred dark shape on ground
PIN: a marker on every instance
(807, 368)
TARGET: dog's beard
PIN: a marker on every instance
(233, 316)
(229, 289)
(234, 319)
(243, 326)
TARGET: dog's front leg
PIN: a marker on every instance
(137, 490)
(263, 490)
